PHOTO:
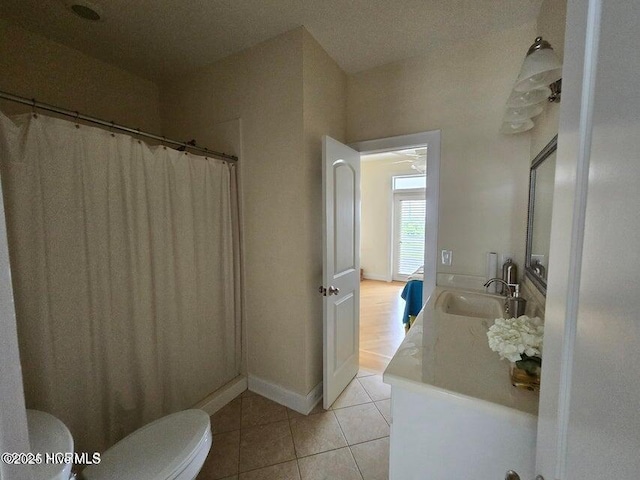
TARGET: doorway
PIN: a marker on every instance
(398, 235)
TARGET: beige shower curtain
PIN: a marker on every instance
(125, 269)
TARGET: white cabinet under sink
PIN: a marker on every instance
(454, 411)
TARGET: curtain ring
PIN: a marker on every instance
(111, 129)
(138, 130)
(77, 119)
(164, 141)
(33, 108)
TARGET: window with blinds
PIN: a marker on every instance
(409, 234)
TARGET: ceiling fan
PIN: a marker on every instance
(418, 158)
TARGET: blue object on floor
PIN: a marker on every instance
(412, 294)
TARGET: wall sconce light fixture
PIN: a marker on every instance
(539, 80)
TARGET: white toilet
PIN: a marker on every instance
(171, 448)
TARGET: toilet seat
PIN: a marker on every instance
(167, 449)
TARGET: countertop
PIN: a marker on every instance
(449, 355)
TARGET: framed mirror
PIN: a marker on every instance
(541, 184)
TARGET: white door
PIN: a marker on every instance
(341, 266)
(589, 419)
(408, 234)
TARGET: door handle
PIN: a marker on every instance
(327, 292)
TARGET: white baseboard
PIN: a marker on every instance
(223, 395)
(375, 276)
(300, 403)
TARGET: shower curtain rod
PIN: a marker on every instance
(78, 116)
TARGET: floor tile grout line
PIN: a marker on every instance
(267, 466)
(367, 441)
(342, 431)
(365, 392)
(298, 467)
(372, 399)
(296, 456)
(240, 434)
(358, 443)
(269, 421)
(364, 388)
(349, 406)
(330, 450)
(346, 445)
(324, 451)
(385, 418)
(270, 465)
(378, 438)
(293, 442)
(353, 457)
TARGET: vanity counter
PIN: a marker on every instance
(454, 411)
(450, 354)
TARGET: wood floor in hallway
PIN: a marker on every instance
(381, 329)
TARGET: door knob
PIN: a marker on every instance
(327, 292)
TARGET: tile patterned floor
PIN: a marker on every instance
(257, 439)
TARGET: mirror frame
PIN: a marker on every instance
(539, 282)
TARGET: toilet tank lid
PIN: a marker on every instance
(159, 450)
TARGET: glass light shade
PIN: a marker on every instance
(540, 69)
(520, 114)
(524, 99)
(516, 127)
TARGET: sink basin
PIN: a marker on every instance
(469, 304)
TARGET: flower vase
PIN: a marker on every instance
(525, 373)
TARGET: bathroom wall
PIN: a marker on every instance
(286, 92)
(250, 104)
(262, 86)
(271, 104)
(460, 89)
(33, 66)
(377, 214)
(551, 27)
(324, 113)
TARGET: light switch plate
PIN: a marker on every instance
(446, 257)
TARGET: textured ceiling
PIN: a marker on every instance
(156, 38)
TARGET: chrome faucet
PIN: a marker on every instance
(508, 292)
(514, 304)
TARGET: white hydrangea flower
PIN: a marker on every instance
(513, 337)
